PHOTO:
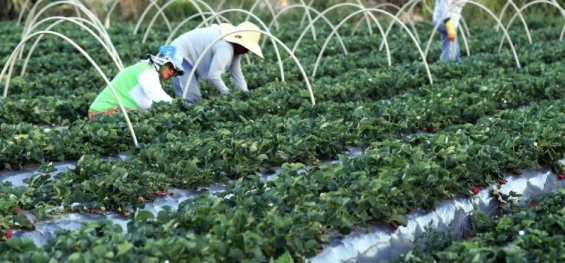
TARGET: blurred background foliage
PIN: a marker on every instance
(131, 10)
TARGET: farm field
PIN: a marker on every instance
(267, 175)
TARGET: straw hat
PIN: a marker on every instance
(247, 39)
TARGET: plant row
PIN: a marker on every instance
(297, 212)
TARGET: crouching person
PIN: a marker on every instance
(139, 85)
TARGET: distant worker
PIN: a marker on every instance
(224, 55)
(448, 27)
(138, 86)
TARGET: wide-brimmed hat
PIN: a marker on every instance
(247, 39)
(169, 54)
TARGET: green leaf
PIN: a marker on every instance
(310, 244)
(14, 243)
(143, 215)
(262, 157)
(74, 256)
(123, 248)
(150, 260)
(236, 253)
(285, 258)
(400, 219)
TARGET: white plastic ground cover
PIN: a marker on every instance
(382, 242)
(72, 221)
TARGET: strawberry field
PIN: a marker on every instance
(270, 175)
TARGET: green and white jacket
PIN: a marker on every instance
(137, 86)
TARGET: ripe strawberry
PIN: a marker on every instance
(475, 190)
(8, 235)
(171, 193)
(561, 176)
(19, 210)
(502, 181)
(431, 129)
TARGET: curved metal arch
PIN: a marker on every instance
(410, 4)
(12, 59)
(161, 9)
(102, 31)
(200, 12)
(323, 13)
(463, 24)
(30, 22)
(503, 12)
(32, 16)
(393, 6)
(305, 16)
(315, 11)
(220, 5)
(526, 6)
(342, 22)
(366, 18)
(171, 35)
(215, 15)
(109, 14)
(20, 16)
(191, 75)
(385, 13)
(60, 19)
(269, 6)
(145, 11)
(358, 3)
(489, 12)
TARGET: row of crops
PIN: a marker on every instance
(481, 119)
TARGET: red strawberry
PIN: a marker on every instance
(431, 129)
(475, 190)
(502, 181)
(8, 235)
(171, 193)
(561, 176)
(18, 210)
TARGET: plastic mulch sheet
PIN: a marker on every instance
(382, 242)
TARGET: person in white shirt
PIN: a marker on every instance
(448, 27)
(225, 55)
(138, 86)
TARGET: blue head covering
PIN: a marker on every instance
(169, 54)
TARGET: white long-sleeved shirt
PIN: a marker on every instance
(454, 13)
(219, 59)
(149, 90)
